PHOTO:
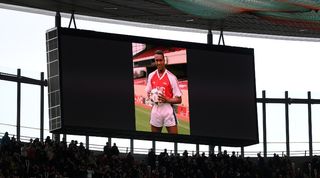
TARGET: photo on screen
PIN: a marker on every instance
(175, 59)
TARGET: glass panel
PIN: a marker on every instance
(204, 149)
(160, 146)
(142, 146)
(298, 129)
(8, 107)
(230, 150)
(30, 113)
(276, 132)
(190, 148)
(97, 143)
(316, 128)
(76, 138)
(122, 144)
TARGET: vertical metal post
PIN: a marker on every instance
(72, 18)
(154, 145)
(310, 124)
(221, 38)
(131, 145)
(211, 149)
(87, 142)
(197, 148)
(109, 141)
(242, 151)
(18, 104)
(58, 19)
(175, 148)
(209, 37)
(64, 138)
(287, 124)
(42, 107)
(264, 123)
(219, 149)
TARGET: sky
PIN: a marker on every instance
(281, 65)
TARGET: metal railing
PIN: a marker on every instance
(138, 150)
(264, 101)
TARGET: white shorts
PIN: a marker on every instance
(163, 115)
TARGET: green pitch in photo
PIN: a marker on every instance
(143, 118)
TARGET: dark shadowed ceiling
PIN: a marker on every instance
(299, 18)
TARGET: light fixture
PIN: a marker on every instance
(110, 8)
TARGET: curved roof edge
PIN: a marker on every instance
(153, 26)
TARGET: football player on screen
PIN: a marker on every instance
(163, 90)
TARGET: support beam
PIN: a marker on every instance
(58, 19)
(42, 108)
(310, 125)
(209, 37)
(287, 124)
(21, 79)
(72, 18)
(264, 124)
(221, 37)
(289, 100)
(197, 148)
(154, 145)
(211, 149)
(64, 137)
(109, 140)
(175, 148)
(18, 104)
(242, 152)
(87, 142)
(131, 145)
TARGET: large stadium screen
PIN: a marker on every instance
(115, 85)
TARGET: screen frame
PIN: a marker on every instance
(132, 134)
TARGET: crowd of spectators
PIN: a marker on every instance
(50, 159)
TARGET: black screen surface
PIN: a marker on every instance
(97, 88)
(222, 94)
(96, 83)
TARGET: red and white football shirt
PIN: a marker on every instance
(163, 114)
(168, 83)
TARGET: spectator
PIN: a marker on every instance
(107, 149)
(48, 140)
(185, 153)
(115, 150)
(130, 158)
(52, 159)
(152, 158)
(5, 142)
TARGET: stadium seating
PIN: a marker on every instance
(59, 159)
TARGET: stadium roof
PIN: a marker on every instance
(294, 18)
